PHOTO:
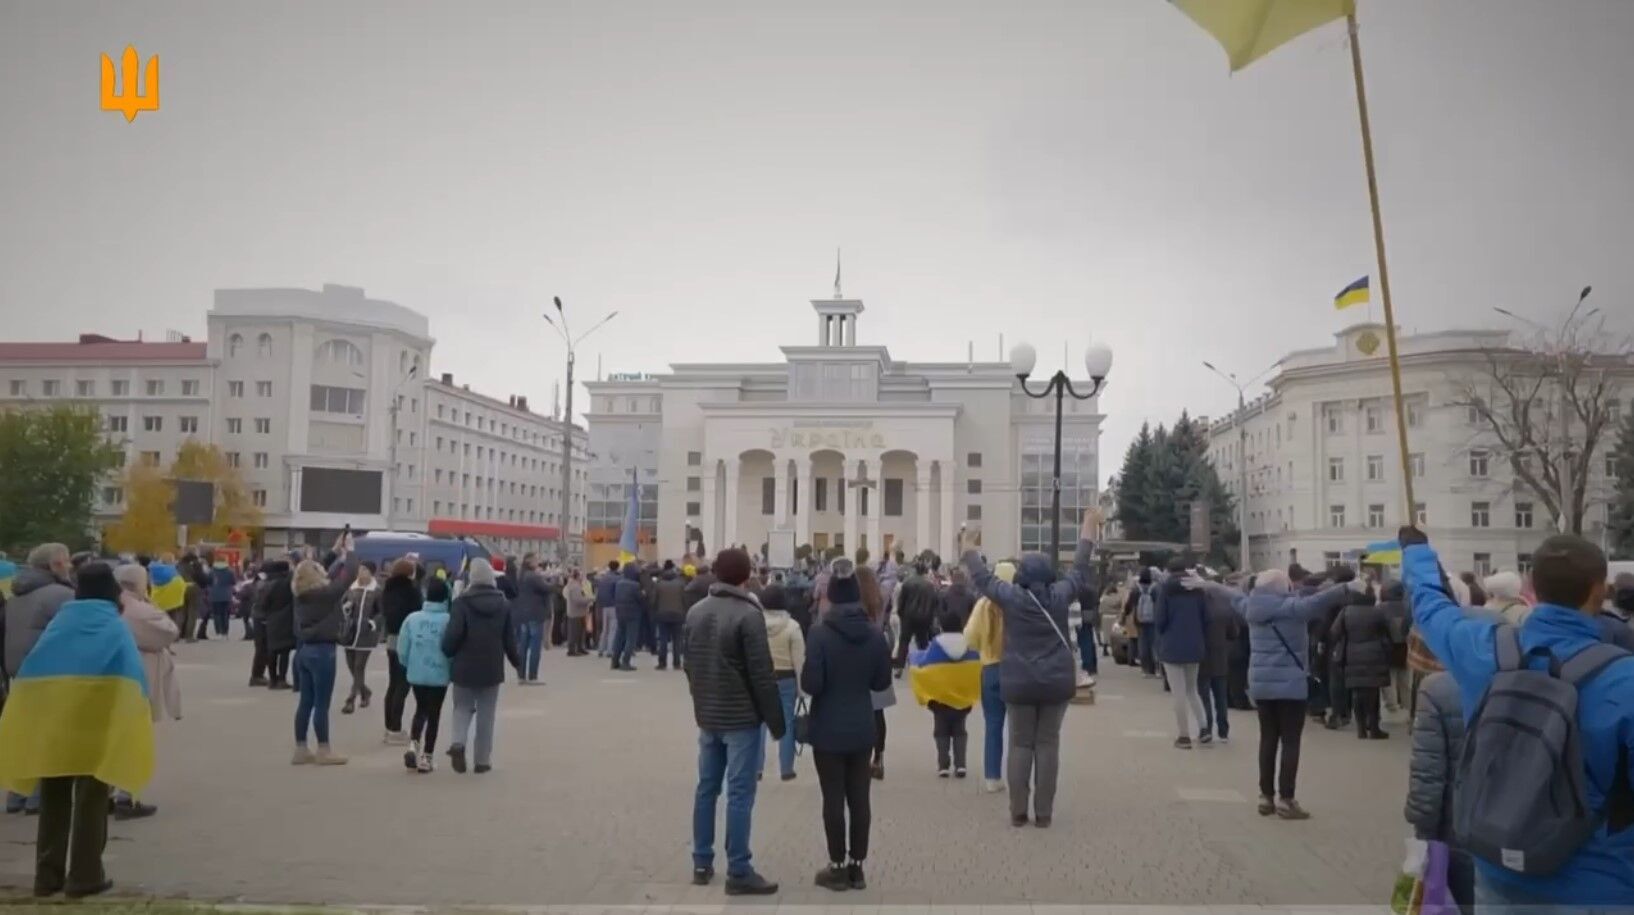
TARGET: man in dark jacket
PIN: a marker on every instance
(629, 605)
(698, 588)
(669, 614)
(479, 641)
(1181, 622)
(606, 616)
(797, 591)
(278, 612)
(532, 607)
(918, 604)
(734, 692)
(1224, 629)
(1361, 640)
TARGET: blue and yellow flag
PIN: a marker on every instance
(78, 705)
(628, 542)
(1251, 29)
(1356, 293)
(8, 571)
(167, 588)
(948, 672)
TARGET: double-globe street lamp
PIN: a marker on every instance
(1098, 361)
(559, 324)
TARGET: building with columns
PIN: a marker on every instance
(840, 444)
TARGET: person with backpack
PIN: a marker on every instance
(1544, 801)
(1142, 608)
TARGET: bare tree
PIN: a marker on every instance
(1548, 400)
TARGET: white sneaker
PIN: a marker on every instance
(943, 773)
(992, 785)
(396, 739)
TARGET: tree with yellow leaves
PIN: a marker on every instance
(147, 526)
(234, 509)
(149, 523)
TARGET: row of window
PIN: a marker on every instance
(113, 496)
(503, 429)
(478, 513)
(528, 490)
(511, 458)
(188, 425)
(973, 459)
(86, 387)
(1480, 515)
(235, 389)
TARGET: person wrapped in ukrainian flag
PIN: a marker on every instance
(947, 679)
(76, 722)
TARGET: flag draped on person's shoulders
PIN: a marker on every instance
(948, 672)
(78, 704)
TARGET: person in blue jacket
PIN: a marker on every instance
(222, 583)
(1569, 576)
(420, 651)
(630, 606)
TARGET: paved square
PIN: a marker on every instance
(590, 802)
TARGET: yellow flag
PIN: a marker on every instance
(1251, 29)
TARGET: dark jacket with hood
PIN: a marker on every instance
(1361, 642)
(36, 596)
(957, 602)
(629, 597)
(399, 597)
(1393, 604)
(729, 664)
(318, 614)
(847, 661)
(1182, 622)
(534, 598)
(1037, 665)
(271, 573)
(918, 602)
(697, 589)
(278, 608)
(480, 638)
(669, 598)
(1225, 627)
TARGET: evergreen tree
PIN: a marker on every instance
(1133, 482)
(1622, 501)
(1163, 473)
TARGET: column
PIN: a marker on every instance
(851, 330)
(709, 518)
(729, 527)
(808, 500)
(950, 524)
(853, 506)
(876, 506)
(922, 539)
(780, 492)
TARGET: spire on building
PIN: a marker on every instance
(837, 294)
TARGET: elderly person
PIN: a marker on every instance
(154, 632)
(38, 591)
(479, 640)
(1503, 594)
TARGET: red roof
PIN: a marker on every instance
(102, 351)
(454, 527)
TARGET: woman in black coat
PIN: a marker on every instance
(278, 614)
(847, 661)
(1361, 638)
(399, 597)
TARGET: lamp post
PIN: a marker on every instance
(571, 342)
(1242, 453)
(1098, 360)
(396, 404)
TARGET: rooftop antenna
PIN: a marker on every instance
(837, 294)
(1001, 346)
(598, 366)
(970, 357)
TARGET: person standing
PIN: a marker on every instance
(479, 640)
(848, 662)
(318, 629)
(1036, 672)
(399, 597)
(606, 612)
(669, 614)
(1361, 635)
(1182, 644)
(577, 594)
(947, 679)
(874, 604)
(1432, 779)
(630, 604)
(918, 604)
(222, 582)
(1142, 609)
(788, 647)
(41, 587)
(984, 632)
(420, 648)
(734, 693)
(360, 633)
(1394, 607)
(279, 610)
(1224, 630)
(154, 633)
(273, 574)
(532, 606)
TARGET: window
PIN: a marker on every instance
(973, 459)
(695, 484)
(820, 495)
(695, 459)
(153, 424)
(437, 475)
(1416, 463)
(263, 389)
(1332, 560)
(694, 509)
(1336, 419)
(155, 387)
(150, 458)
(1415, 413)
(259, 497)
(973, 512)
(190, 387)
(1611, 464)
(235, 426)
(327, 399)
(112, 495)
(1480, 514)
(1523, 515)
(232, 459)
(436, 506)
(1482, 565)
(1375, 417)
(893, 497)
(1336, 516)
(1421, 514)
(234, 344)
(260, 460)
(1375, 515)
(19, 388)
(235, 389)
(1375, 468)
(768, 495)
(408, 505)
(1336, 470)
(120, 388)
(339, 352)
(189, 425)
(263, 426)
(84, 388)
(1478, 461)
(118, 424)
(1472, 415)
(1523, 563)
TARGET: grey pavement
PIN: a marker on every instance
(589, 804)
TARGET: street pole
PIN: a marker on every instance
(391, 471)
(1098, 360)
(1060, 384)
(1242, 485)
(567, 466)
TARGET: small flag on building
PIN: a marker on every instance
(1354, 294)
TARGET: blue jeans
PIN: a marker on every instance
(530, 637)
(626, 640)
(727, 756)
(669, 642)
(787, 692)
(993, 718)
(315, 671)
(1212, 690)
(17, 803)
(1087, 659)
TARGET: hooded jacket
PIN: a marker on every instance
(1432, 772)
(278, 608)
(1279, 641)
(1361, 636)
(420, 645)
(399, 597)
(1037, 665)
(847, 661)
(480, 638)
(669, 598)
(629, 598)
(1182, 623)
(37, 595)
(958, 601)
(729, 664)
(222, 580)
(1225, 626)
(786, 641)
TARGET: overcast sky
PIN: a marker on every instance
(1045, 170)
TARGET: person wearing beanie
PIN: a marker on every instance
(734, 693)
(788, 646)
(479, 641)
(426, 668)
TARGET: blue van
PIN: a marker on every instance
(383, 547)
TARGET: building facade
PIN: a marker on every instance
(322, 399)
(841, 445)
(1324, 472)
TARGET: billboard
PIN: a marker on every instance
(346, 492)
(195, 502)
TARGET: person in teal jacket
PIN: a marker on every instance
(1569, 576)
(420, 649)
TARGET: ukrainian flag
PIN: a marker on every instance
(8, 571)
(79, 705)
(948, 672)
(1355, 294)
(168, 589)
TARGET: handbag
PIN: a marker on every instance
(802, 724)
(1081, 676)
(1312, 685)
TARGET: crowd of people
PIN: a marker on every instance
(811, 656)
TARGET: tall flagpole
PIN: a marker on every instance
(1408, 516)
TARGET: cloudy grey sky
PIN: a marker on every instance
(1045, 170)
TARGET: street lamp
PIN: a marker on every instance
(1098, 360)
(1242, 453)
(567, 425)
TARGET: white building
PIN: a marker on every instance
(1324, 473)
(841, 444)
(297, 387)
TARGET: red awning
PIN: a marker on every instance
(454, 527)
